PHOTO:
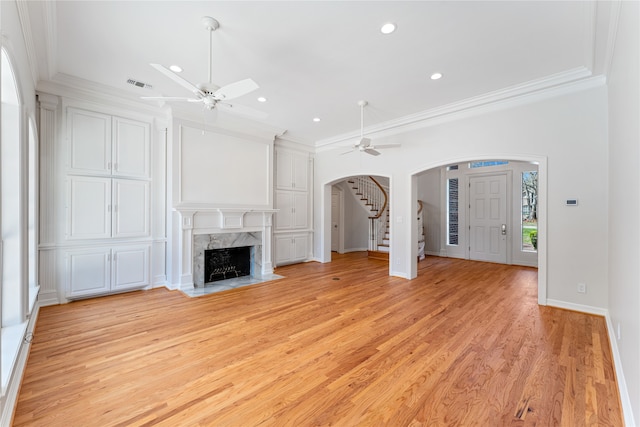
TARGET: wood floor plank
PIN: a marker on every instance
(330, 344)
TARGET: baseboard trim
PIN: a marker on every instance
(577, 307)
(15, 381)
(625, 400)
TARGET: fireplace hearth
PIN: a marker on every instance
(226, 263)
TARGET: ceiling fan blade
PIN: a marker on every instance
(387, 146)
(371, 151)
(234, 90)
(170, 98)
(243, 110)
(176, 78)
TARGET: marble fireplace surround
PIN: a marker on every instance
(216, 228)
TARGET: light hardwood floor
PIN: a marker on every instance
(336, 344)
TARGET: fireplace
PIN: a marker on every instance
(226, 263)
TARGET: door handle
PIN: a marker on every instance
(504, 229)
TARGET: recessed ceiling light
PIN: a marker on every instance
(388, 28)
(436, 76)
(316, 119)
(262, 99)
(175, 68)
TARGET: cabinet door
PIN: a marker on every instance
(88, 207)
(284, 249)
(301, 246)
(88, 272)
(284, 170)
(292, 170)
(300, 164)
(130, 267)
(130, 208)
(284, 204)
(89, 142)
(131, 153)
(300, 210)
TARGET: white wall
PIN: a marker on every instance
(566, 131)
(624, 193)
(356, 222)
(429, 191)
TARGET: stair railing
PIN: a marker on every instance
(377, 221)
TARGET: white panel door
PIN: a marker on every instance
(131, 148)
(335, 222)
(89, 271)
(130, 208)
(130, 267)
(89, 142)
(89, 207)
(488, 218)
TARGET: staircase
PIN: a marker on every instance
(373, 197)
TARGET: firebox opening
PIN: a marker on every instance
(226, 263)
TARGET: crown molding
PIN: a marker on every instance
(518, 94)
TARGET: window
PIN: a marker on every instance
(529, 211)
(452, 211)
(486, 163)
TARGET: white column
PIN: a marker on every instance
(267, 224)
(186, 249)
(47, 226)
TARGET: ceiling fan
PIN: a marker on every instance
(364, 144)
(210, 94)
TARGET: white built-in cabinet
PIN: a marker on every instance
(101, 270)
(107, 203)
(292, 232)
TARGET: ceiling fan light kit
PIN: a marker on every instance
(210, 94)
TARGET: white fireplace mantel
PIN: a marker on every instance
(219, 221)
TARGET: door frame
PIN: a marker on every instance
(340, 192)
(508, 174)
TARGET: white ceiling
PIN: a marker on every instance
(318, 59)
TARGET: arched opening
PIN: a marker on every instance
(453, 227)
(355, 214)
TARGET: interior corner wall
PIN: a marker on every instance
(429, 191)
(624, 202)
(567, 128)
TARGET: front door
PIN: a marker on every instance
(488, 218)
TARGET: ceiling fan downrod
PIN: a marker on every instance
(210, 24)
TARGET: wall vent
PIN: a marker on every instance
(139, 84)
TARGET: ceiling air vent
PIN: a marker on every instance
(139, 84)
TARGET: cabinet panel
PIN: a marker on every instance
(130, 267)
(300, 172)
(301, 246)
(284, 249)
(89, 271)
(300, 210)
(284, 169)
(130, 208)
(89, 142)
(88, 207)
(131, 148)
(291, 248)
(293, 210)
(292, 171)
